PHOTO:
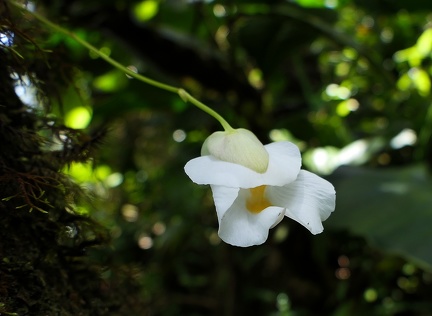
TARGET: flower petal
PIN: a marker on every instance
(223, 198)
(242, 228)
(284, 165)
(309, 200)
(239, 146)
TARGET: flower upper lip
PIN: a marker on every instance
(209, 170)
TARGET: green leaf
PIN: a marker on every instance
(424, 43)
(111, 81)
(78, 117)
(421, 81)
(312, 3)
(145, 10)
(392, 208)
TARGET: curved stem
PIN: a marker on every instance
(181, 92)
(187, 97)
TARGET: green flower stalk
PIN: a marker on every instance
(184, 95)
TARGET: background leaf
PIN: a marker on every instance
(391, 208)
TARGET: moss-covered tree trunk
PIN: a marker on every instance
(44, 266)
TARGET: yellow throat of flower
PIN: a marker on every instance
(257, 201)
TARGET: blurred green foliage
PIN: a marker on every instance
(347, 81)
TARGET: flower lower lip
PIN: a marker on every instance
(279, 219)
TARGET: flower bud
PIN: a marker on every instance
(238, 146)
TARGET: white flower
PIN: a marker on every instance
(251, 202)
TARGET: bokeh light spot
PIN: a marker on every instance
(130, 212)
(145, 242)
(159, 228)
(145, 10)
(78, 117)
(179, 135)
(219, 10)
(343, 273)
(370, 295)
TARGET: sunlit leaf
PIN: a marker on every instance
(145, 10)
(78, 117)
(86, 173)
(421, 81)
(411, 55)
(424, 43)
(81, 172)
(311, 3)
(324, 160)
(111, 81)
(404, 82)
(416, 78)
(342, 108)
(102, 172)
